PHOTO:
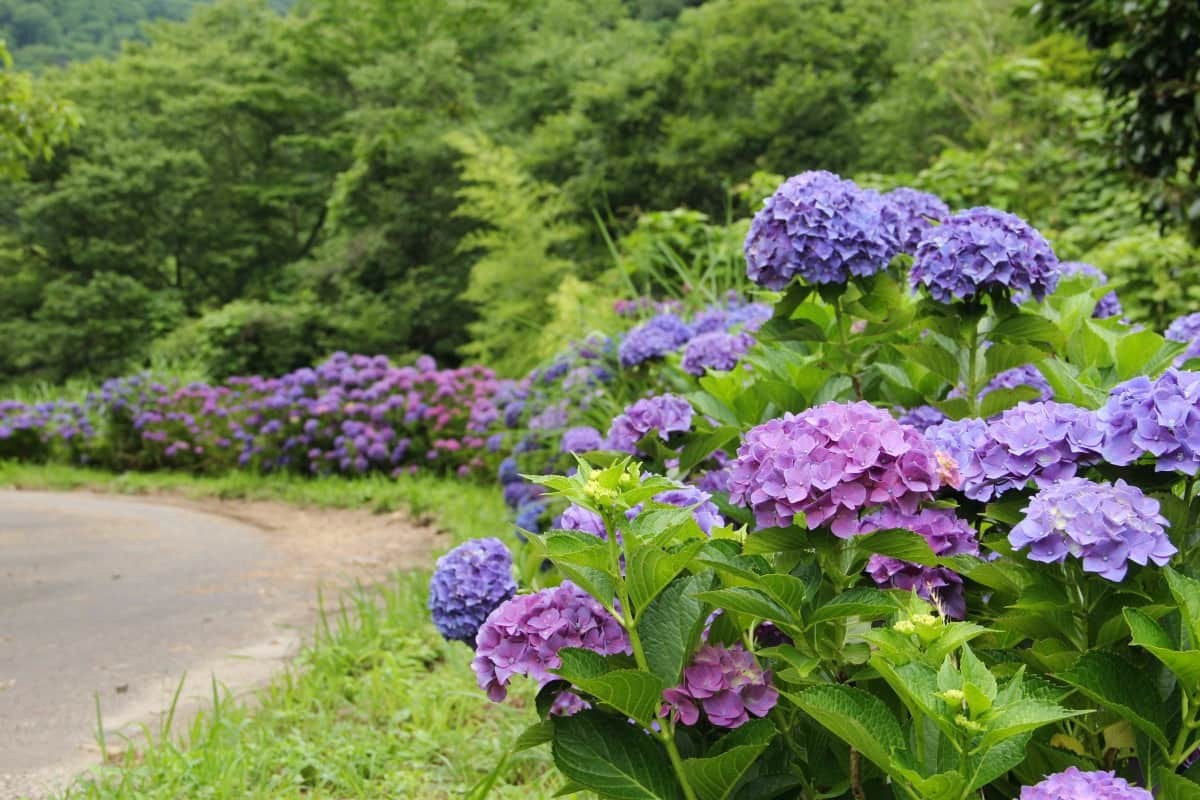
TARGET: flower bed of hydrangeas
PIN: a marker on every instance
(934, 536)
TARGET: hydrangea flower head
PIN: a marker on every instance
(909, 213)
(726, 683)
(581, 439)
(922, 417)
(664, 413)
(1160, 418)
(578, 518)
(1042, 442)
(819, 228)
(830, 462)
(524, 634)
(982, 250)
(468, 583)
(1104, 525)
(1025, 375)
(654, 338)
(1071, 784)
(946, 534)
(718, 351)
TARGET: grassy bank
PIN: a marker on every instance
(378, 706)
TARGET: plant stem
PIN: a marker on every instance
(848, 360)
(972, 361)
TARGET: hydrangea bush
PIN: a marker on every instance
(935, 538)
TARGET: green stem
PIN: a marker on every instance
(848, 360)
(1189, 721)
(972, 388)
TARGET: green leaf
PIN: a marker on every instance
(635, 693)
(699, 449)
(775, 540)
(651, 569)
(1145, 353)
(746, 600)
(859, 602)
(896, 543)
(1149, 635)
(1004, 356)
(535, 735)
(788, 590)
(613, 758)
(857, 718)
(1175, 787)
(999, 400)
(670, 626)
(1021, 717)
(1186, 592)
(579, 663)
(714, 776)
(997, 760)
(1024, 328)
(1113, 683)
(934, 358)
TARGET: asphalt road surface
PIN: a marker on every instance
(118, 599)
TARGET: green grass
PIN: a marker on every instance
(378, 706)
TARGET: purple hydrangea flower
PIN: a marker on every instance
(581, 439)
(1104, 525)
(1159, 417)
(654, 338)
(922, 417)
(1042, 442)
(719, 351)
(468, 584)
(829, 463)
(726, 683)
(664, 413)
(1071, 784)
(529, 515)
(820, 228)
(909, 213)
(946, 534)
(980, 250)
(578, 518)
(1025, 375)
(524, 634)
(1186, 329)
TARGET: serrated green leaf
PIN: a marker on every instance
(613, 758)
(934, 358)
(670, 626)
(997, 760)
(1024, 328)
(896, 543)
(1115, 685)
(775, 540)
(1021, 717)
(715, 775)
(999, 400)
(856, 717)
(1186, 592)
(788, 590)
(1175, 787)
(635, 693)
(859, 602)
(746, 600)
(651, 569)
(1148, 634)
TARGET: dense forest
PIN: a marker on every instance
(250, 190)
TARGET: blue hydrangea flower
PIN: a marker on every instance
(1104, 525)
(581, 439)
(983, 250)
(922, 417)
(1025, 375)
(468, 584)
(909, 213)
(819, 228)
(718, 351)
(654, 338)
(1160, 418)
(578, 518)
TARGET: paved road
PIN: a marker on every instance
(118, 598)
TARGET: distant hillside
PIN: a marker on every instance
(40, 33)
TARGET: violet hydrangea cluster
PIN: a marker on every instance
(909, 213)
(726, 683)
(820, 228)
(1159, 417)
(1071, 784)
(581, 439)
(654, 338)
(1041, 442)
(983, 250)
(832, 461)
(1025, 375)
(524, 634)
(717, 350)
(946, 534)
(922, 417)
(468, 584)
(665, 414)
(1105, 526)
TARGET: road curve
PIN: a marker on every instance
(118, 598)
